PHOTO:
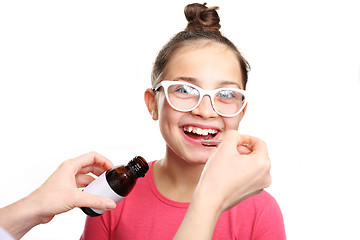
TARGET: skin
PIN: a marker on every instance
(190, 172)
(209, 67)
(212, 197)
(57, 195)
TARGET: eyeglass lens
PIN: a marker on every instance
(184, 97)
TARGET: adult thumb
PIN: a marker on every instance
(93, 201)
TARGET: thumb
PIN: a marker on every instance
(93, 201)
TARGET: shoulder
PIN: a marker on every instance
(255, 205)
(260, 216)
(261, 199)
(258, 205)
(267, 216)
(257, 217)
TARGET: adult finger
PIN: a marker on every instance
(89, 159)
(256, 145)
(244, 150)
(96, 170)
(82, 180)
(85, 199)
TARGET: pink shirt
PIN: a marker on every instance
(146, 214)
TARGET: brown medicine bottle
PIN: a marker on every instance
(116, 183)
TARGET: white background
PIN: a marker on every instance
(73, 73)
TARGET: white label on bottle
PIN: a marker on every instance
(101, 187)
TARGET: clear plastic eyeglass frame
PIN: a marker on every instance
(211, 93)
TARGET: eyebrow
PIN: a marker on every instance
(229, 83)
(186, 79)
(223, 83)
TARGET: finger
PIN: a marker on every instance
(82, 180)
(248, 140)
(256, 145)
(91, 159)
(241, 142)
(243, 150)
(85, 199)
(92, 169)
(231, 138)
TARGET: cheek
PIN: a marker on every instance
(168, 117)
(233, 123)
(163, 108)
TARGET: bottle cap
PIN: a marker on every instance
(139, 166)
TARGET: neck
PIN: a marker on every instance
(175, 178)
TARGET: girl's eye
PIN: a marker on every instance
(183, 89)
(226, 94)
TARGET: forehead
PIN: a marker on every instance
(208, 62)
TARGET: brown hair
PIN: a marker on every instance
(203, 26)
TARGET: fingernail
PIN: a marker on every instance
(110, 205)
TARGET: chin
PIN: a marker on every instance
(199, 158)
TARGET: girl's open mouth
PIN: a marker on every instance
(198, 134)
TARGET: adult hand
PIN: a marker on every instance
(58, 194)
(232, 174)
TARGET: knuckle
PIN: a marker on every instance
(92, 154)
(66, 164)
(265, 166)
(268, 165)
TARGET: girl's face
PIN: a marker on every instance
(209, 67)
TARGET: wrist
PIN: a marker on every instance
(18, 218)
(209, 209)
(200, 219)
(206, 197)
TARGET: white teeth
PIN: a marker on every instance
(200, 131)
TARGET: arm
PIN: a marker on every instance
(58, 194)
(229, 176)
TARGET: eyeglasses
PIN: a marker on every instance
(185, 97)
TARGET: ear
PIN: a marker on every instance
(150, 101)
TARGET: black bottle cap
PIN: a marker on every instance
(139, 166)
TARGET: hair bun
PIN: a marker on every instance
(200, 17)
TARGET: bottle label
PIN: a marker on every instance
(101, 187)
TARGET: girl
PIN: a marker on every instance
(198, 96)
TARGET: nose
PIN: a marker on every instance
(205, 108)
